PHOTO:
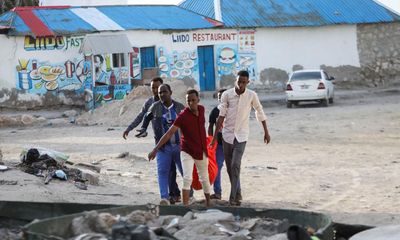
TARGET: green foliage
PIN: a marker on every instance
(6, 5)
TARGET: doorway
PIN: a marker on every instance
(206, 68)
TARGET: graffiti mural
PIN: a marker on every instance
(111, 83)
(135, 64)
(40, 77)
(226, 60)
(178, 65)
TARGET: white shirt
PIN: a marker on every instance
(236, 110)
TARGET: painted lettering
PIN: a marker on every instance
(43, 43)
(180, 38)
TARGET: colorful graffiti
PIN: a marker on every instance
(39, 77)
(178, 65)
(51, 43)
(135, 64)
(226, 60)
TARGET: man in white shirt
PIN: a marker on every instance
(234, 114)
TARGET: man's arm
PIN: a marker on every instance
(210, 129)
(164, 139)
(138, 118)
(260, 115)
(220, 121)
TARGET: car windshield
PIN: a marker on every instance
(305, 76)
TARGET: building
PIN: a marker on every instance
(59, 54)
(356, 41)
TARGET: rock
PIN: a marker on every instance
(108, 218)
(90, 176)
(88, 166)
(140, 217)
(70, 113)
(268, 227)
(27, 119)
(123, 155)
(90, 222)
(214, 215)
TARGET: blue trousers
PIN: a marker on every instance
(220, 162)
(167, 156)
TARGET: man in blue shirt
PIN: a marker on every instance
(155, 84)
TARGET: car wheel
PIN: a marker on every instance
(289, 104)
(324, 102)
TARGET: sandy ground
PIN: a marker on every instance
(343, 160)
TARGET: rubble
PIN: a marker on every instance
(210, 224)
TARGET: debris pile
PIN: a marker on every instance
(211, 224)
(122, 113)
(20, 120)
(50, 164)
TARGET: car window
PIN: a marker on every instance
(326, 76)
(305, 76)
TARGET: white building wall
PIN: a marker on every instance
(310, 47)
(8, 52)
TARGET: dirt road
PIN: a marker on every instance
(343, 160)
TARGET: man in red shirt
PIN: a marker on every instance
(193, 145)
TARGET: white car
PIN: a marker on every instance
(309, 85)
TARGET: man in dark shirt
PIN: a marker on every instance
(174, 191)
(219, 151)
(162, 114)
(193, 145)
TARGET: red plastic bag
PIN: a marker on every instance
(212, 166)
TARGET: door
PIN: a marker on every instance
(206, 68)
(147, 57)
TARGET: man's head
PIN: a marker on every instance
(164, 92)
(192, 99)
(155, 84)
(219, 94)
(242, 80)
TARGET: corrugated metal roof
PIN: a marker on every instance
(63, 20)
(287, 13)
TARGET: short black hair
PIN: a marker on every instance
(167, 85)
(157, 79)
(243, 73)
(190, 91)
(221, 90)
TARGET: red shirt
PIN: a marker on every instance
(193, 137)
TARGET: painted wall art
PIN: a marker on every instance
(40, 77)
(178, 65)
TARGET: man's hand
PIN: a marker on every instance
(267, 138)
(141, 133)
(125, 134)
(211, 145)
(152, 155)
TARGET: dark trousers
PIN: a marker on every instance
(233, 158)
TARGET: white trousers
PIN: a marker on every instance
(202, 170)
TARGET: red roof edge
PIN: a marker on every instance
(214, 22)
(30, 8)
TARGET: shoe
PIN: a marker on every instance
(164, 202)
(142, 133)
(216, 196)
(239, 197)
(177, 199)
(174, 199)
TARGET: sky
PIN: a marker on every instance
(393, 4)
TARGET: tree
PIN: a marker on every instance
(6, 5)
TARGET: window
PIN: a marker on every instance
(299, 76)
(118, 60)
